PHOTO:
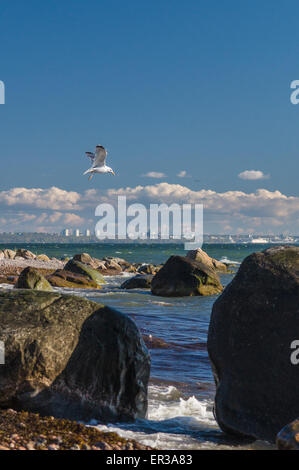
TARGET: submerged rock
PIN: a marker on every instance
(71, 358)
(181, 276)
(30, 278)
(252, 327)
(141, 281)
(204, 258)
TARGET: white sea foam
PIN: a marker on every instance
(225, 260)
(175, 422)
(172, 423)
(161, 303)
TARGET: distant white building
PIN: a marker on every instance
(87, 233)
(66, 232)
(77, 232)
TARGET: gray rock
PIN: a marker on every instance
(71, 358)
(252, 326)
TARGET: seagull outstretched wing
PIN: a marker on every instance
(91, 156)
(100, 157)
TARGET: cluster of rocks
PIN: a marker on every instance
(193, 274)
(21, 253)
(253, 326)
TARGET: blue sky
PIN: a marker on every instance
(166, 86)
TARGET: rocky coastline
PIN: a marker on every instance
(252, 326)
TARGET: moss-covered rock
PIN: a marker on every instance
(181, 276)
(62, 278)
(77, 267)
(31, 278)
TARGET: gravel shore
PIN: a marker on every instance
(29, 431)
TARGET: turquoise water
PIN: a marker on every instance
(137, 252)
(181, 388)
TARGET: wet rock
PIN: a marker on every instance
(62, 278)
(252, 327)
(204, 258)
(71, 358)
(30, 278)
(77, 267)
(141, 281)
(181, 276)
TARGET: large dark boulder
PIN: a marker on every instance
(181, 276)
(30, 278)
(71, 358)
(140, 281)
(252, 326)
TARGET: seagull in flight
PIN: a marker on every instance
(98, 160)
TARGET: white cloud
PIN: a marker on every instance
(154, 174)
(182, 174)
(51, 198)
(23, 209)
(253, 175)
